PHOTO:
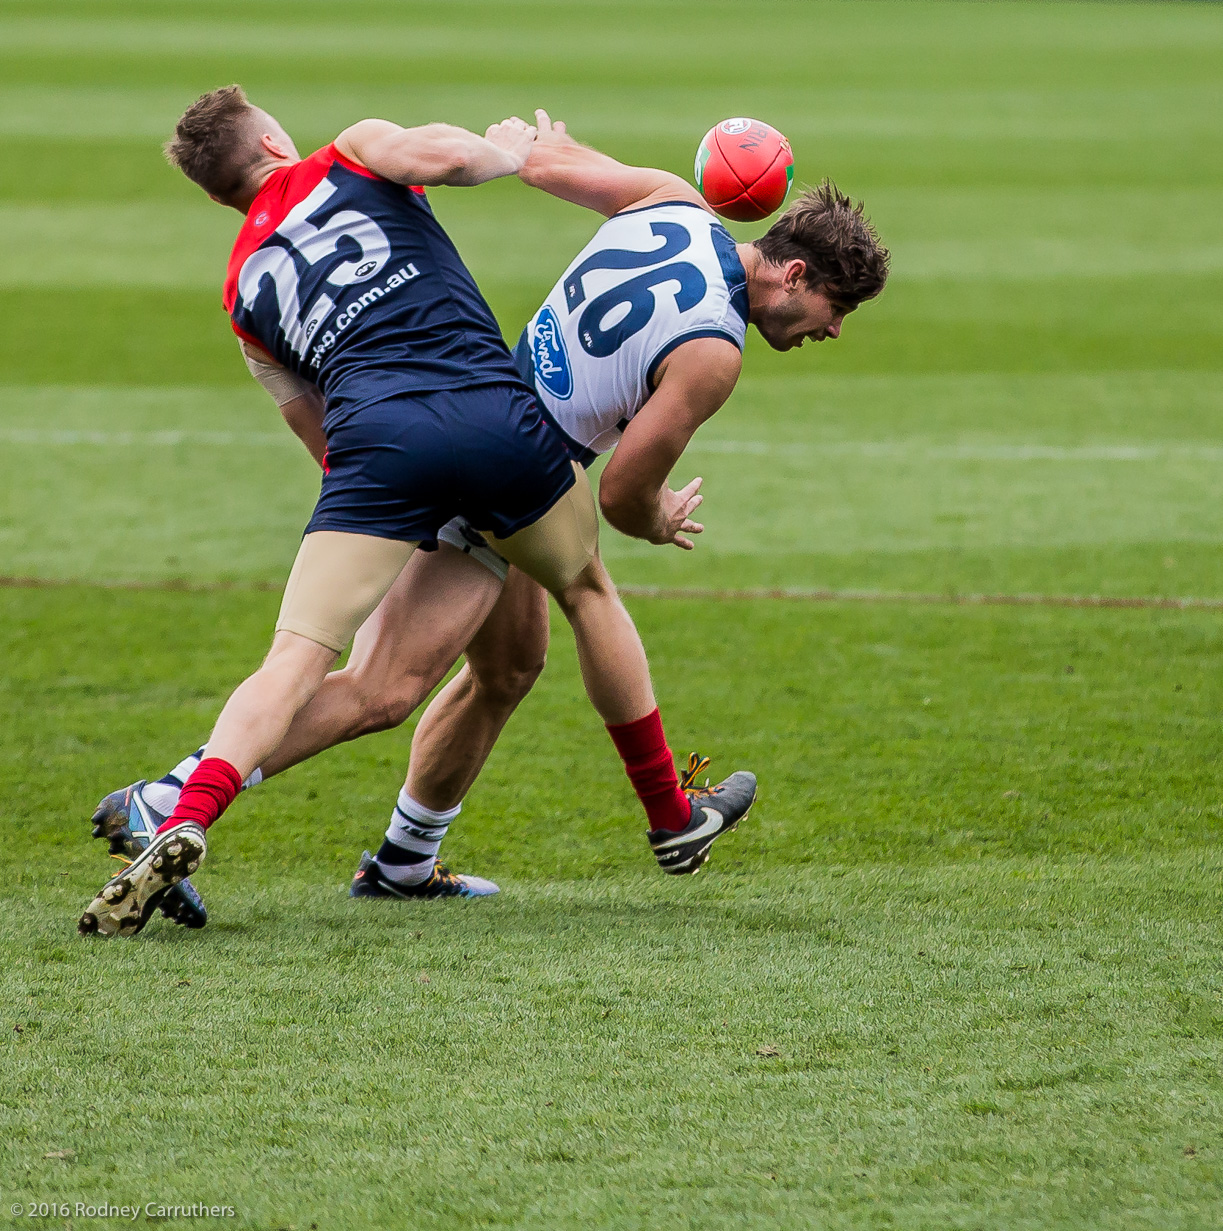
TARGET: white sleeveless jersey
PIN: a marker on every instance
(650, 279)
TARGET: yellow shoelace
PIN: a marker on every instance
(696, 765)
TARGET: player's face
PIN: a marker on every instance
(801, 314)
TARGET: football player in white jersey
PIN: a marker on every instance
(637, 345)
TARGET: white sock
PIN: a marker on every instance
(163, 794)
(409, 851)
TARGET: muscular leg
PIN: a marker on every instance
(337, 582)
(398, 655)
(610, 654)
(258, 714)
(457, 732)
(560, 551)
(452, 742)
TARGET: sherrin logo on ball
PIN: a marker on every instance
(744, 169)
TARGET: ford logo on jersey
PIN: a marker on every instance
(551, 359)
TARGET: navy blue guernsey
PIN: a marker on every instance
(348, 280)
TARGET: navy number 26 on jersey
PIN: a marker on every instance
(649, 280)
(613, 317)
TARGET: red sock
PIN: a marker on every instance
(651, 770)
(214, 785)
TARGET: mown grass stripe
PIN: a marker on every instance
(937, 236)
(916, 450)
(1000, 452)
(72, 436)
(706, 593)
(1051, 116)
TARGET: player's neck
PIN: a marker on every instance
(750, 258)
(244, 199)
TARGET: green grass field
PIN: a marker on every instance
(961, 968)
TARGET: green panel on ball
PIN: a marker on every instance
(702, 157)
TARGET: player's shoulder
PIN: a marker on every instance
(356, 136)
(693, 215)
(673, 191)
(691, 212)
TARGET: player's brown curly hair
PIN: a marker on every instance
(828, 231)
(207, 146)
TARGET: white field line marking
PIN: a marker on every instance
(815, 595)
(910, 450)
(47, 436)
(965, 452)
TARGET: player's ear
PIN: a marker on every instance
(273, 146)
(794, 276)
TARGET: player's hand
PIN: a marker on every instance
(551, 137)
(514, 136)
(675, 521)
(551, 132)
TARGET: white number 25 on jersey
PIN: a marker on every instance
(313, 243)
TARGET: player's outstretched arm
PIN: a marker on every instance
(563, 167)
(437, 153)
(633, 492)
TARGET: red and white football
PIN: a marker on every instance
(744, 168)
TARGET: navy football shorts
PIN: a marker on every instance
(403, 467)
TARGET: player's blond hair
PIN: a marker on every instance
(830, 233)
(211, 145)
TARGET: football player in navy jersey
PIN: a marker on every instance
(341, 280)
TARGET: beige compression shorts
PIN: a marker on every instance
(339, 578)
(557, 547)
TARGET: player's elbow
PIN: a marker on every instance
(609, 501)
(620, 507)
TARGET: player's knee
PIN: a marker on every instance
(506, 683)
(592, 584)
(507, 686)
(389, 712)
(385, 705)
